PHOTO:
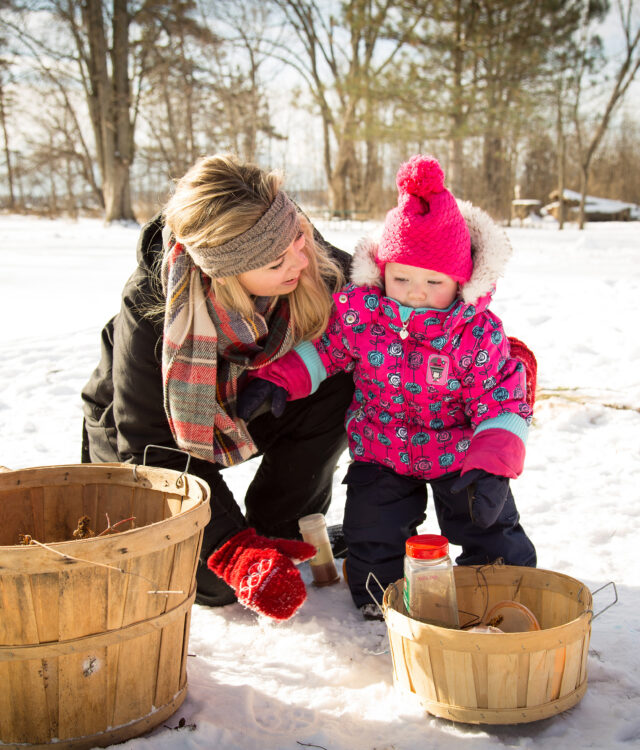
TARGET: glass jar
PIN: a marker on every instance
(429, 585)
(323, 567)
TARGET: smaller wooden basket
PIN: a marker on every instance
(501, 678)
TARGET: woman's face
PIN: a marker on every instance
(279, 277)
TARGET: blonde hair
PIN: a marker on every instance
(221, 197)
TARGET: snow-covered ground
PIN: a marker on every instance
(324, 678)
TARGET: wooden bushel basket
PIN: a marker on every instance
(94, 632)
(496, 678)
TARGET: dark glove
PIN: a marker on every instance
(256, 393)
(487, 495)
(262, 573)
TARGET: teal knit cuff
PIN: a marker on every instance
(511, 422)
(308, 354)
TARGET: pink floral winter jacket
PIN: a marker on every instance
(436, 391)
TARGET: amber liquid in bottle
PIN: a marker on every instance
(323, 567)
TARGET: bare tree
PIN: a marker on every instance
(475, 71)
(343, 63)
(241, 73)
(174, 92)
(623, 77)
(101, 36)
(615, 168)
(81, 43)
(204, 88)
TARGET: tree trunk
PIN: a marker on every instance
(53, 194)
(120, 205)
(494, 178)
(372, 198)
(561, 151)
(109, 106)
(7, 152)
(584, 184)
(338, 185)
(455, 177)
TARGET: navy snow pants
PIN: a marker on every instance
(383, 509)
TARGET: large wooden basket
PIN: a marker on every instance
(502, 678)
(94, 632)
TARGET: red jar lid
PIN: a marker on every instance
(427, 546)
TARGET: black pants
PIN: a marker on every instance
(384, 509)
(300, 451)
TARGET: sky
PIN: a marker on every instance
(325, 677)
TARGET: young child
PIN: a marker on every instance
(439, 398)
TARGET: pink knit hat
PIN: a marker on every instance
(426, 229)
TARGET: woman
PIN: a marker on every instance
(230, 277)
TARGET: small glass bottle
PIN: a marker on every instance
(323, 567)
(429, 585)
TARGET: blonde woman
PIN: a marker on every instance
(230, 277)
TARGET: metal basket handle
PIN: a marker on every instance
(615, 601)
(371, 577)
(179, 480)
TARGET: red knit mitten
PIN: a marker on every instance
(261, 572)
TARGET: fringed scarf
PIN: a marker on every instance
(205, 350)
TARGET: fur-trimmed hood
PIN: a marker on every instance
(490, 251)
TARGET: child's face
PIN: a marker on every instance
(419, 287)
(279, 277)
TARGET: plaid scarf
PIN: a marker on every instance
(205, 349)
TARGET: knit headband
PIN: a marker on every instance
(261, 244)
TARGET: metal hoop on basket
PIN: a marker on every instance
(179, 480)
(615, 601)
(371, 576)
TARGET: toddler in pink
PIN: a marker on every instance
(439, 398)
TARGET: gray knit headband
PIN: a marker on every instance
(260, 245)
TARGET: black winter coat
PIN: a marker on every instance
(123, 399)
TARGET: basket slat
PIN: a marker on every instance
(480, 666)
(503, 680)
(572, 667)
(120, 502)
(170, 668)
(423, 679)
(82, 602)
(27, 719)
(459, 678)
(538, 688)
(523, 679)
(18, 622)
(149, 506)
(133, 699)
(82, 674)
(59, 526)
(443, 689)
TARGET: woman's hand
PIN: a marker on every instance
(258, 392)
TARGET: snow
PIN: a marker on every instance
(324, 678)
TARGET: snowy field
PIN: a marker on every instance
(324, 678)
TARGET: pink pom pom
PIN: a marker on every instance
(421, 176)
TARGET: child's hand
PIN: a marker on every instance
(256, 393)
(487, 495)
